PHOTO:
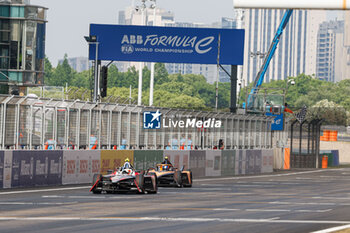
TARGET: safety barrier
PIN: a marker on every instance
(30, 168)
(333, 157)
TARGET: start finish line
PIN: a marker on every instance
(167, 44)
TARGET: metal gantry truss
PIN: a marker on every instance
(35, 123)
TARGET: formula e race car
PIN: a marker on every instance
(124, 180)
(167, 175)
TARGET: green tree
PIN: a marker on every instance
(49, 70)
(82, 79)
(160, 74)
(63, 74)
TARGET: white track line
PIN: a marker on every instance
(165, 219)
(38, 203)
(333, 229)
(285, 210)
(43, 190)
(333, 198)
(262, 176)
(90, 197)
(308, 203)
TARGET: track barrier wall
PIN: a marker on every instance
(111, 159)
(197, 163)
(228, 162)
(2, 166)
(213, 164)
(240, 162)
(50, 168)
(267, 161)
(79, 166)
(36, 168)
(178, 158)
(144, 159)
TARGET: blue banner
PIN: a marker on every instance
(167, 44)
(278, 122)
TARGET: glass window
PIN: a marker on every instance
(31, 13)
(28, 78)
(14, 55)
(3, 75)
(15, 76)
(30, 45)
(40, 47)
(5, 11)
(4, 61)
(16, 42)
(41, 13)
(17, 11)
(4, 24)
(4, 36)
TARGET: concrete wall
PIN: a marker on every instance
(49, 168)
(343, 147)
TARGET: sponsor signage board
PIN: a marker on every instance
(167, 44)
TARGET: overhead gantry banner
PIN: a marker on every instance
(167, 44)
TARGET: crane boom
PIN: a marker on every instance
(261, 74)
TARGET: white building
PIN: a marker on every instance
(79, 64)
(331, 60)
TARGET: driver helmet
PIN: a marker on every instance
(166, 158)
(127, 160)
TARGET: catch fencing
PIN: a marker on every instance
(29, 123)
(305, 144)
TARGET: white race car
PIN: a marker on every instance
(124, 180)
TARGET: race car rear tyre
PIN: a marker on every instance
(189, 185)
(94, 191)
(94, 180)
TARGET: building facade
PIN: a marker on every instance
(330, 63)
(22, 45)
(78, 64)
(296, 52)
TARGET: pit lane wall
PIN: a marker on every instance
(32, 168)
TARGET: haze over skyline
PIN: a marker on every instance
(69, 20)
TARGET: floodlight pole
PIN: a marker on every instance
(96, 82)
(139, 97)
(152, 64)
(233, 77)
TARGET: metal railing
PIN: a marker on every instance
(42, 123)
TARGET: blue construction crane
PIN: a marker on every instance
(260, 76)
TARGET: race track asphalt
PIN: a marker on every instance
(293, 201)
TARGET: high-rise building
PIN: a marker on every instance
(297, 46)
(330, 63)
(22, 45)
(346, 74)
(79, 64)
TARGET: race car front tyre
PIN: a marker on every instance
(178, 179)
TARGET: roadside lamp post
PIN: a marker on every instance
(93, 40)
